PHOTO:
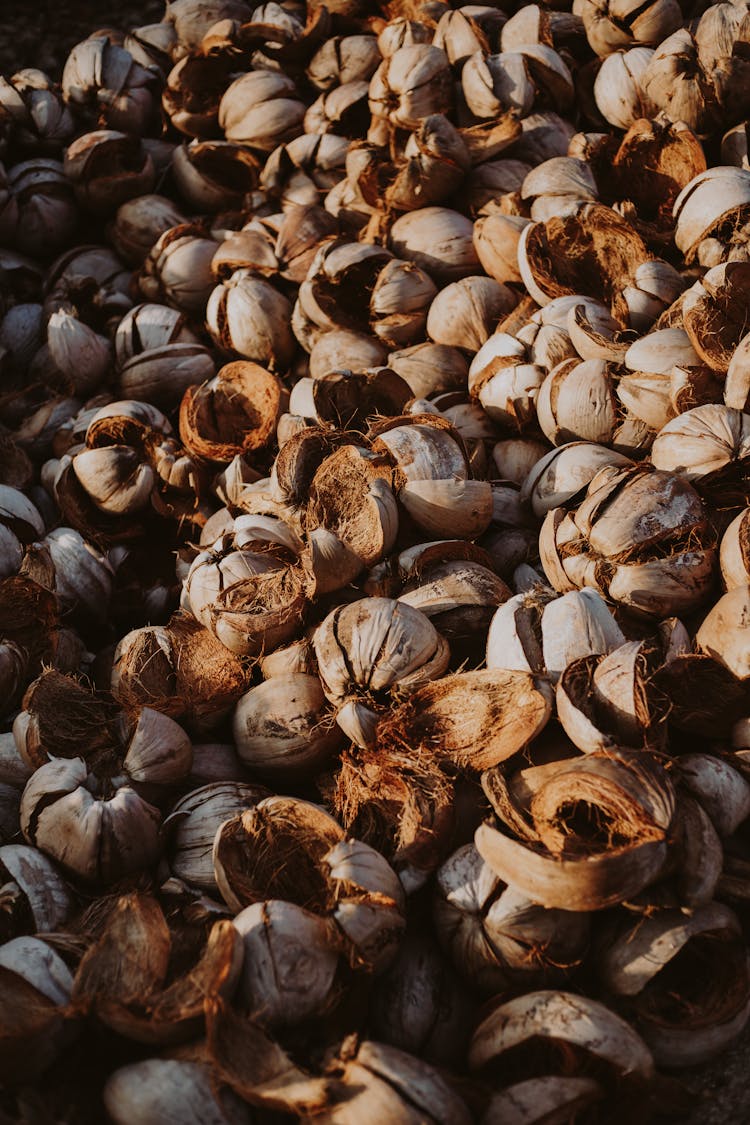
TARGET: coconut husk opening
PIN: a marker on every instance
(232, 166)
(275, 852)
(539, 1055)
(604, 803)
(29, 617)
(256, 1067)
(348, 400)
(345, 298)
(593, 252)
(718, 320)
(705, 699)
(630, 711)
(705, 984)
(237, 415)
(66, 720)
(299, 459)
(150, 983)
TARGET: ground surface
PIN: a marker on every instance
(40, 33)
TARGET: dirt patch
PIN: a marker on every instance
(41, 34)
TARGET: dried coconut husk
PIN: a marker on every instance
(291, 47)
(714, 313)
(498, 938)
(705, 699)
(388, 578)
(547, 1100)
(234, 413)
(473, 719)
(259, 613)
(432, 475)
(606, 702)
(16, 468)
(640, 536)
(193, 91)
(458, 597)
(33, 1027)
(133, 981)
(299, 459)
(35, 897)
(283, 728)
(400, 803)
(734, 552)
(275, 851)
(29, 618)
(593, 831)
(725, 632)
(347, 400)
(256, 1067)
(710, 446)
(571, 1033)
(685, 980)
(180, 669)
(423, 454)
(350, 496)
(289, 849)
(593, 252)
(720, 788)
(698, 854)
(192, 825)
(376, 1082)
(654, 162)
(78, 510)
(62, 719)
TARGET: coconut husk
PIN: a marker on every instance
(65, 720)
(299, 459)
(473, 719)
(274, 851)
(654, 162)
(256, 1067)
(261, 612)
(16, 468)
(593, 831)
(29, 617)
(348, 400)
(182, 671)
(124, 978)
(608, 702)
(687, 979)
(235, 413)
(398, 801)
(705, 699)
(349, 497)
(78, 511)
(593, 252)
(31, 1025)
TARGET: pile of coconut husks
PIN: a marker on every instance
(374, 564)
